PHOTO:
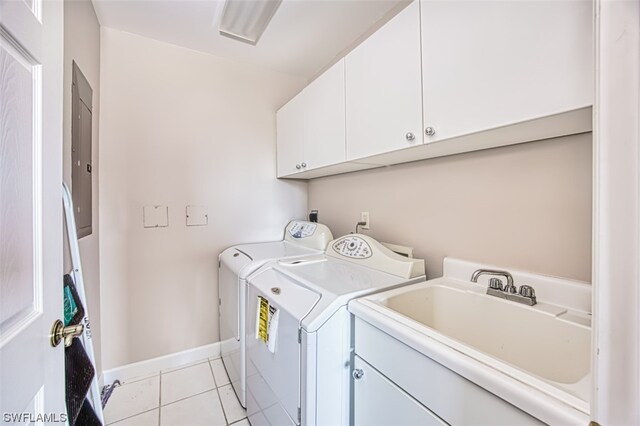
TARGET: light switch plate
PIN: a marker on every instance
(155, 216)
(197, 216)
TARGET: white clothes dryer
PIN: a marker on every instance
(236, 264)
(298, 329)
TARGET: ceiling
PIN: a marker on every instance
(302, 39)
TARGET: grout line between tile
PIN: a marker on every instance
(226, 421)
(185, 366)
(238, 421)
(224, 413)
(215, 382)
(187, 397)
(133, 415)
(136, 380)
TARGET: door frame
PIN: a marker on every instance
(616, 214)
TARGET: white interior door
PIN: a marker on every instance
(31, 54)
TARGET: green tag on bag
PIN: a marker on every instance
(70, 307)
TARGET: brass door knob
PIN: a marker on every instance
(60, 332)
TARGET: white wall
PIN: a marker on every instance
(180, 127)
(82, 44)
(524, 206)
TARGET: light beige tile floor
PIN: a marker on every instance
(196, 394)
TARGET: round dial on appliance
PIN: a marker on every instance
(352, 246)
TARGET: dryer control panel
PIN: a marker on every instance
(352, 246)
(308, 234)
(364, 250)
(302, 229)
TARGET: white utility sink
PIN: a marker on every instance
(532, 339)
(543, 350)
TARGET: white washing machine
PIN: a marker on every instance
(298, 330)
(236, 264)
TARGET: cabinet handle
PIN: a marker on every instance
(429, 131)
(357, 374)
(298, 166)
(304, 165)
(410, 136)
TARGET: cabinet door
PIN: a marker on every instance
(378, 401)
(324, 128)
(383, 88)
(492, 63)
(290, 135)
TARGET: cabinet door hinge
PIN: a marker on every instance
(299, 415)
(299, 335)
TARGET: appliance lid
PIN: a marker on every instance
(284, 293)
(244, 259)
(334, 280)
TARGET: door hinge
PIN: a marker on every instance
(299, 415)
(300, 336)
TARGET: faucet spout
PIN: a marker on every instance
(507, 275)
(526, 296)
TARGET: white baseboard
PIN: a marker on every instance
(154, 365)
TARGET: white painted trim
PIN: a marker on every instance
(164, 362)
(616, 214)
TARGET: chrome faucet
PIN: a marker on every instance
(526, 295)
(509, 288)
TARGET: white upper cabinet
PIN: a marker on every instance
(383, 88)
(290, 134)
(488, 64)
(325, 119)
(311, 127)
(469, 74)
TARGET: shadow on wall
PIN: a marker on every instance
(525, 206)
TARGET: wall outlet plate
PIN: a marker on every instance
(156, 216)
(197, 216)
(364, 217)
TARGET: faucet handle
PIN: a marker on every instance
(511, 289)
(527, 291)
(495, 283)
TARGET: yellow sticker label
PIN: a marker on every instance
(263, 319)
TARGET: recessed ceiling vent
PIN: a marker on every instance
(246, 20)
